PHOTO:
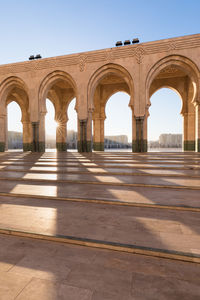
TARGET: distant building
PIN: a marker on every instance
(72, 139)
(153, 144)
(15, 140)
(168, 140)
(50, 142)
(116, 141)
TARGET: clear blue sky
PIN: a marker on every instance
(60, 27)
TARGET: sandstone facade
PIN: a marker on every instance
(92, 78)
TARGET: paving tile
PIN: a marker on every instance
(48, 290)
(100, 279)
(163, 288)
(47, 270)
(108, 296)
(12, 284)
(48, 266)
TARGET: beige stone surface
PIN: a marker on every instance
(92, 78)
(34, 269)
(94, 274)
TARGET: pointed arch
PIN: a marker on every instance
(48, 82)
(6, 88)
(180, 62)
(103, 71)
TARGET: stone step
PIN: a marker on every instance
(171, 234)
(123, 181)
(154, 252)
(103, 201)
(124, 194)
(104, 171)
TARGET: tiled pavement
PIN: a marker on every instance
(148, 203)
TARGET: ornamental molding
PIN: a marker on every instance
(107, 55)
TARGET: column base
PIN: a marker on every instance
(139, 146)
(37, 147)
(41, 147)
(84, 146)
(89, 146)
(189, 146)
(61, 147)
(198, 145)
(2, 146)
(27, 147)
(98, 146)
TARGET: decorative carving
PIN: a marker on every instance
(82, 62)
(172, 46)
(108, 54)
(169, 70)
(138, 53)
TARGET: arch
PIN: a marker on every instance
(14, 128)
(112, 94)
(116, 109)
(49, 81)
(172, 87)
(168, 120)
(7, 86)
(99, 74)
(181, 62)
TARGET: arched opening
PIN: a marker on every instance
(118, 123)
(104, 84)
(59, 88)
(165, 122)
(50, 127)
(72, 134)
(14, 127)
(181, 75)
(14, 97)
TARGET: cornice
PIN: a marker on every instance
(106, 55)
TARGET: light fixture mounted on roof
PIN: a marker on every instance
(31, 57)
(38, 56)
(126, 42)
(119, 43)
(134, 41)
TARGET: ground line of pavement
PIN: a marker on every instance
(130, 248)
(102, 183)
(99, 173)
(106, 166)
(104, 202)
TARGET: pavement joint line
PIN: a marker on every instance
(184, 187)
(108, 159)
(99, 173)
(119, 158)
(104, 202)
(99, 164)
(107, 166)
(130, 248)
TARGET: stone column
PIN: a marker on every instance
(35, 142)
(145, 132)
(6, 132)
(89, 132)
(139, 144)
(26, 136)
(98, 124)
(61, 136)
(41, 133)
(82, 136)
(197, 127)
(189, 131)
(2, 133)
